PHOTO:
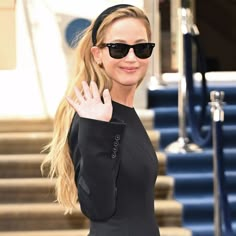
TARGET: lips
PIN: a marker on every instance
(129, 69)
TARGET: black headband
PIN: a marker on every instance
(102, 16)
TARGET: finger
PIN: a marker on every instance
(87, 92)
(71, 102)
(106, 97)
(79, 95)
(94, 89)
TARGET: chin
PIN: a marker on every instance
(131, 83)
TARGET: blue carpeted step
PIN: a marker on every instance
(193, 176)
(229, 114)
(201, 210)
(166, 117)
(193, 172)
(198, 162)
(199, 184)
(205, 229)
(169, 135)
(169, 95)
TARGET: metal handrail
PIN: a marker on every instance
(183, 145)
(221, 204)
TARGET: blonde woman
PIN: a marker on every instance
(100, 151)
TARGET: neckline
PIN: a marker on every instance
(117, 104)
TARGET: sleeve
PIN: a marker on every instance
(94, 147)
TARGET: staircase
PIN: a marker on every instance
(27, 204)
(193, 172)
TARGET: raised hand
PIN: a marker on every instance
(90, 105)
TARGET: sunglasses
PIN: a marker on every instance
(120, 50)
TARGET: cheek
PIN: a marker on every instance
(144, 66)
(109, 65)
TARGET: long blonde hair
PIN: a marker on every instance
(58, 162)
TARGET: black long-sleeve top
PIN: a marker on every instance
(115, 173)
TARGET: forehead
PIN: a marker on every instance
(126, 29)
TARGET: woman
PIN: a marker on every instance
(100, 151)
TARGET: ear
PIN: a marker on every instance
(96, 51)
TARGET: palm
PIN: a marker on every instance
(95, 109)
(90, 105)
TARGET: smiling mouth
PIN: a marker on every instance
(129, 69)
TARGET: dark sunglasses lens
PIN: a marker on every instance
(118, 50)
(143, 50)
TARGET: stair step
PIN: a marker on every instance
(28, 165)
(164, 231)
(20, 165)
(171, 231)
(161, 156)
(48, 216)
(26, 125)
(168, 212)
(164, 187)
(33, 142)
(81, 232)
(30, 124)
(154, 136)
(147, 118)
(22, 190)
(23, 142)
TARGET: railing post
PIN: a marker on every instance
(217, 116)
(185, 21)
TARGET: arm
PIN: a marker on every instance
(94, 147)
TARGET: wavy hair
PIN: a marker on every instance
(58, 163)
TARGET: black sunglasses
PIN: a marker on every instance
(120, 50)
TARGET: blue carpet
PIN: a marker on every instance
(169, 96)
(193, 172)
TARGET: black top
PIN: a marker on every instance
(115, 173)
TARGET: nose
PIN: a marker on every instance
(131, 55)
